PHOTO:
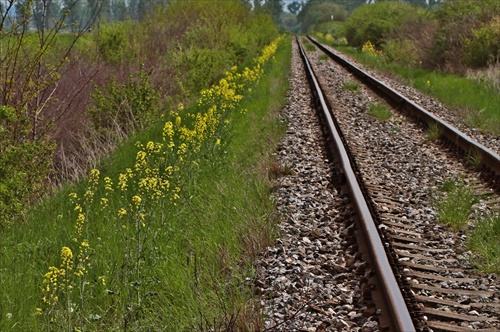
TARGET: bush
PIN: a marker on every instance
(113, 42)
(24, 168)
(401, 51)
(376, 22)
(483, 46)
(466, 34)
(315, 13)
(125, 106)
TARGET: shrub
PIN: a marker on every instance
(483, 46)
(315, 13)
(375, 22)
(113, 42)
(24, 168)
(125, 106)
(401, 51)
(464, 34)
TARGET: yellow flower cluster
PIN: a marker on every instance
(369, 49)
(57, 278)
(70, 267)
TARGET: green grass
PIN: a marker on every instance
(454, 210)
(476, 102)
(433, 132)
(323, 57)
(379, 111)
(351, 86)
(308, 45)
(195, 257)
(485, 240)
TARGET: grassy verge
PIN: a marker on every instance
(118, 254)
(476, 102)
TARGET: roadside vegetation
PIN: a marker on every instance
(162, 234)
(84, 92)
(171, 167)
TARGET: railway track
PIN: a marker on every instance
(418, 275)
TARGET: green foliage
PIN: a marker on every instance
(379, 111)
(215, 36)
(467, 34)
(197, 65)
(454, 210)
(376, 22)
(351, 86)
(403, 52)
(172, 264)
(113, 42)
(125, 107)
(484, 240)
(30, 69)
(477, 102)
(24, 171)
(316, 13)
(483, 46)
(433, 132)
(332, 28)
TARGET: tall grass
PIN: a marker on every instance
(455, 209)
(179, 263)
(484, 240)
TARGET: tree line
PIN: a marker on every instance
(39, 14)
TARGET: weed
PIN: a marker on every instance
(158, 243)
(433, 132)
(474, 159)
(485, 240)
(454, 209)
(307, 44)
(379, 111)
(351, 86)
(323, 57)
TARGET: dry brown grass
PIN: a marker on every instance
(490, 74)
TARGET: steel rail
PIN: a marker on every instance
(400, 317)
(488, 158)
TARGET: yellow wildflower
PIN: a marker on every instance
(122, 212)
(137, 200)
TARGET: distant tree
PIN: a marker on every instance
(295, 7)
(317, 12)
(23, 11)
(46, 13)
(257, 4)
(142, 9)
(132, 9)
(274, 8)
(119, 10)
(290, 22)
(418, 3)
(75, 15)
